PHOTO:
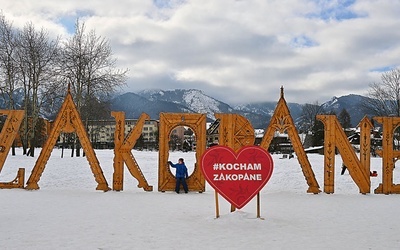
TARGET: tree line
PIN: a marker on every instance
(42, 68)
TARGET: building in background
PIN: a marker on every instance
(101, 134)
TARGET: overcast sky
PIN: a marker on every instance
(236, 51)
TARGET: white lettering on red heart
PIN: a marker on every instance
(237, 177)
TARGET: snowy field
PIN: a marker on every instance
(68, 213)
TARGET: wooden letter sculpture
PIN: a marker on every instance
(235, 131)
(122, 152)
(168, 121)
(68, 120)
(336, 138)
(283, 121)
(389, 156)
(7, 136)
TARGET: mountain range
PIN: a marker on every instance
(153, 102)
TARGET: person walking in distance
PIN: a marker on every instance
(180, 175)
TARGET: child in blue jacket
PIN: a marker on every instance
(180, 175)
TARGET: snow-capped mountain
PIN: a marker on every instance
(17, 96)
(199, 102)
(266, 110)
(352, 103)
(193, 99)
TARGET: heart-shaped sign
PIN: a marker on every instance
(237, 177)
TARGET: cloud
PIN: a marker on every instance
(237, 51)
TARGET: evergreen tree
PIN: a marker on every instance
(344, 118)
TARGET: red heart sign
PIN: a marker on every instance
(237, 177)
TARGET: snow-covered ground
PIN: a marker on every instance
(68, 213)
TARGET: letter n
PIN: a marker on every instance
(335, 137)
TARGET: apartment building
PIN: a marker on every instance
(101, 133)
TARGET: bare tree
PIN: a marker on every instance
(88, 66)
(310, 125)
(8, 67)
(90, 70)
(384, 97)
(308, 116)
(37, 54)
